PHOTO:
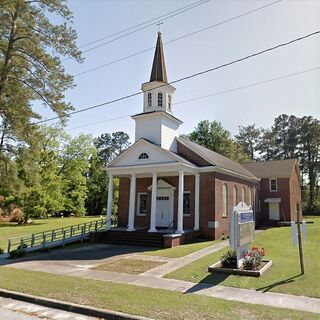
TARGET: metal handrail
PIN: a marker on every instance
(57, 236)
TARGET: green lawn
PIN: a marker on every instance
(9, 229)
(284, 275)
(180, 251)
(131, 266)
(154, 303)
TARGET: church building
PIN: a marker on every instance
(168, 184)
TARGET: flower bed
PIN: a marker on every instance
(263, 267)
(252, 263)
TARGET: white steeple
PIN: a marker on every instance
(157, 122)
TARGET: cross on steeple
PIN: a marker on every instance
(159, 25)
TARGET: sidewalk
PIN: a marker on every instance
(180, 262)
(153, 279)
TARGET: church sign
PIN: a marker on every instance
(242, 230)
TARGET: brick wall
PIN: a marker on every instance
(142, 185)
(230, 182)
(283, 193)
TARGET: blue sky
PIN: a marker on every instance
(278, 23)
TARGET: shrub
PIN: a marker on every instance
(1, 251)
(252, 259)
(229, 259)
(17, 253)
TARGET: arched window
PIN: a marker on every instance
(224, 200)
(160, 99)
(243, 194)
(149, 99)
(250, 197)
(235, 200)
(143, 156)
(169, 102)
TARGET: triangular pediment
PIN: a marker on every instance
(142, 153)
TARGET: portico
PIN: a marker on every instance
(164, 208)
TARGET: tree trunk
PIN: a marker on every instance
(9, 53)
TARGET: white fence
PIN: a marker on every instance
(55, 237)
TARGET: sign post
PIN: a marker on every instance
(242, 230)
(297, 237)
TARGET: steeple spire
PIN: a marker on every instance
(159, 72)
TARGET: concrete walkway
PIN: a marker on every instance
(160, 271)
(153, 279)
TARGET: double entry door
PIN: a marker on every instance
(164, 211)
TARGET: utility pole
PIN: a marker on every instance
(299, 239)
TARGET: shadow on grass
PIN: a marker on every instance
(83, 253)
(278, 283)
(207, 282)
(15, 224)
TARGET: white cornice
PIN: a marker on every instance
(156, 114)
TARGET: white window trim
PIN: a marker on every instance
(149, 106)
(186, 214)
(234, 188)
(225, 215)
(138, 204)
(243, 194)
(270, 184)
(162, 102)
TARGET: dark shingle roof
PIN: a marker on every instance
(216, 159)
(273, 168)
(159, 72)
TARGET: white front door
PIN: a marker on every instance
(164, 210)
(274, 212)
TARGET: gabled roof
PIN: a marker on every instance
(159, 72)
(272, 168)
(216, 159)
(173, 157)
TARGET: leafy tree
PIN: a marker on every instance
(249, 138)
(309, 154)
(213, 136)
(109, 146)
(286, 133)
(31, 47)
(267, 145)
(73, 168)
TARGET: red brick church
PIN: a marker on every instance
(173, 186)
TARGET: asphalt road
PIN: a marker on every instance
(17, 310)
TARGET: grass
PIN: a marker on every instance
(153, 303)
(131, 266)
(11, 229)
(284, 275)
(180, 251)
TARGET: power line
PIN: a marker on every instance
(179, 38)
(189, 76)
(210, 95)
(180, 11)
(188, 7)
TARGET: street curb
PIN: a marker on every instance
(70, 307)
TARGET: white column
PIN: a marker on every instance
(180, 203)
(132, 203)
(110, 197)
(196, 201)
(153, 204)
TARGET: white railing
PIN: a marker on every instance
(55, 237)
